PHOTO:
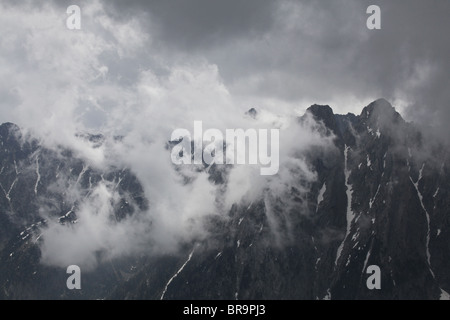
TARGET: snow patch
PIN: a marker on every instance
(320, 196)
(371, 201)
(355, 235)
(317, 262)
(444, 295)
(82, 173)
(67, 214)
(9, 191)
(416, 186)
(117, 184)
(38, 176)
(378, 133)
(328, 295)
(436, 193)
(15, 167)
(367, 260)
(350, 213)
(38, 238)
(177, 273)
(348, 260)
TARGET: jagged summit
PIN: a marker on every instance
(380, 109)
(317, 109)
(8, 128)
(380, 103)
(377, 106)
(322, 112)
(376, 118)
(325, 114)
(11, 136)
(8, 125)
(252, 113)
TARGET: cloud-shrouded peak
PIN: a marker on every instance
(323, 113)
(381, 113)
(379, 105)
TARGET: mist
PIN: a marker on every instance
(131, 74)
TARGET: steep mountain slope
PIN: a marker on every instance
(380, 198)
(34, 179)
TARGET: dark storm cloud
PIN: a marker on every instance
(304, 52)
(408, 59)
(198, 24)
(315, 50)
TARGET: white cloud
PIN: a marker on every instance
(62, 83)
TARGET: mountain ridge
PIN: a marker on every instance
(377, 200)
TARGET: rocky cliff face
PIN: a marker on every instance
(380, 198)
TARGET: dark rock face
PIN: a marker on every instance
(380, 198)
(252, 113)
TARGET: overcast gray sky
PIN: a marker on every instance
(274, 54)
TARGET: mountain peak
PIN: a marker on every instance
(324, 110)
(8, 128)
(323, 113)
(376, 107)
(380, 112)
(252, 113)
(9, 125)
